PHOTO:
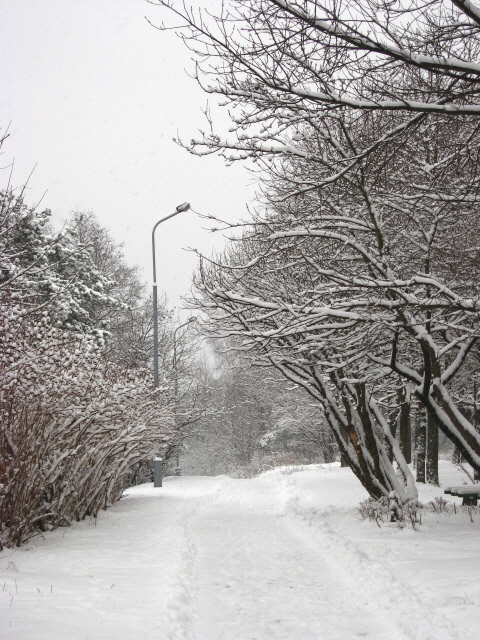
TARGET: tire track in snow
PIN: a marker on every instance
(388, 598)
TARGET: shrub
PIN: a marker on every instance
(72, 424)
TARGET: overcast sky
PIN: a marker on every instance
(93, 96)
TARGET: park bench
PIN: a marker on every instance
(469, 493)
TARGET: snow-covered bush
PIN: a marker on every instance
(375, 510)
(72, 424)
(74, 415)
(391, 510)
(388, 510)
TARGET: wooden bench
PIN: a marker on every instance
(469, 493)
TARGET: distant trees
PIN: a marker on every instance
(238, 415)
(300, 429)
(358, 278)
(253, 420)
(74, 414)
(233, 415)
(180, 344)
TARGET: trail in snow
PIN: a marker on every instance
(279, 557)
(259, 576)
(377, 592)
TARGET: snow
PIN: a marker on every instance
(281, 556)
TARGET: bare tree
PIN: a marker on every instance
(278, 64)
(267, 325)
(363, 118)
(347, 282)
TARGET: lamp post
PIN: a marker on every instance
(157, 462)
(175, 382)
(180, 209)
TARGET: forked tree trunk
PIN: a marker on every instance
(359, 428)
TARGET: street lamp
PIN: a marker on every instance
(175, 382)
(157, 463)
(180, 209)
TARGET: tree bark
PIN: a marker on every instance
(432, 452)
(393, 423)
(405, 429)
(420, 443)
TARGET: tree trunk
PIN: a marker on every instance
(453, 423)
(420, 443)
(432, 452)
(393, 423)
(356, 424)
(343, 458)
(405, 428)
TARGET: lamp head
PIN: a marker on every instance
(185, 206)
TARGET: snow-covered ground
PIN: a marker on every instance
(281, 556)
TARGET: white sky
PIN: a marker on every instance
(93, 96)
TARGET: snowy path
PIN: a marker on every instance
(223, 559)
(261, 575)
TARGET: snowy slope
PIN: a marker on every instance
(282, 556)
